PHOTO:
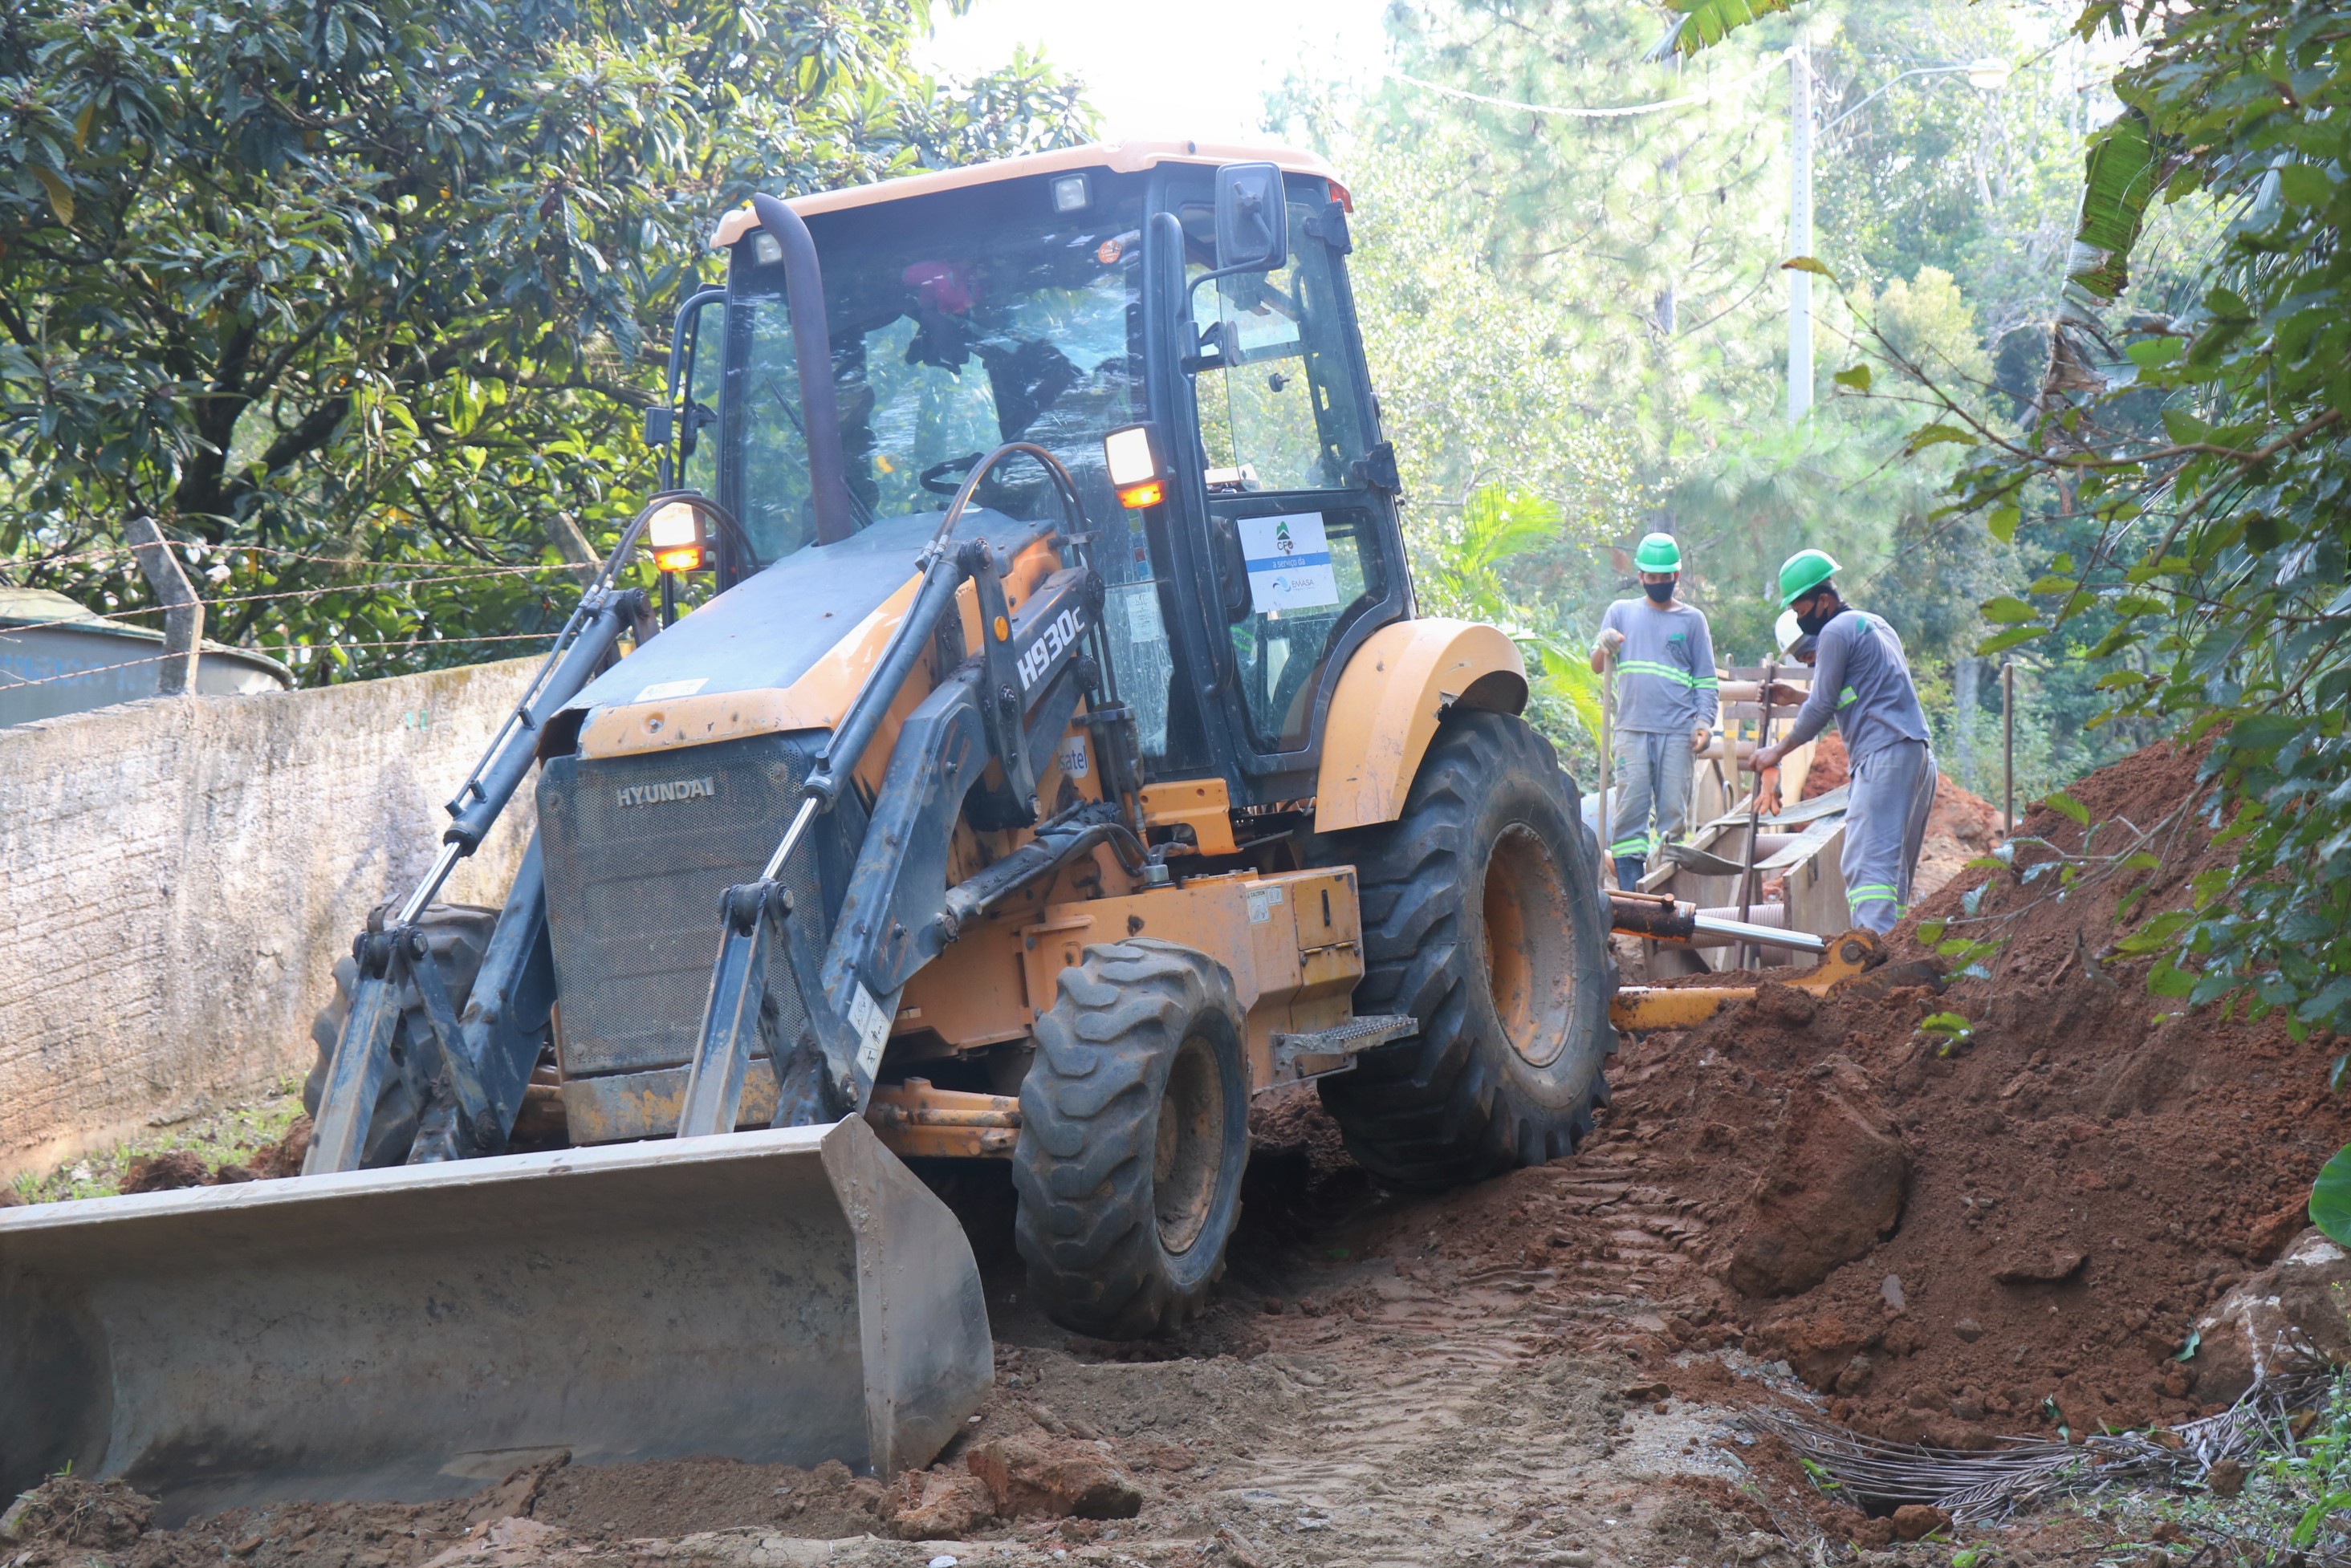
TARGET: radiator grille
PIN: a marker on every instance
(638, 850)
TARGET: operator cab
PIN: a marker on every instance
(1055, 299)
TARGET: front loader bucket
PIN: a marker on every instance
(787, 1296)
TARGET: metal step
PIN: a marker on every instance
(1339, 1045)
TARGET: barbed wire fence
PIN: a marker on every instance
(218, 565)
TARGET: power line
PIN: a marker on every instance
(1619, 112)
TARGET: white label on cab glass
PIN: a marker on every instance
(1288, 562)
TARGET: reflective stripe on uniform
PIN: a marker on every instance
(1668, 672)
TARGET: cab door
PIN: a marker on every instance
(1292, 491)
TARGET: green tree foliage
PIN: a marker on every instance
(1478, 383)
(2211, 457)
(1460, 562)
(353, 298)
(1628, 288)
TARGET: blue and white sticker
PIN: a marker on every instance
(1288, 562)
(871, 1023)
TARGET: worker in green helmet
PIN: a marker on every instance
(1861, 678)
(1665, 705)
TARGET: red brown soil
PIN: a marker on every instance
(1963, 826)
(182, 1167)
(2082, 1119)
(1831, 767)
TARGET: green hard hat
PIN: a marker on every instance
(1803, 572)
(1658, 553)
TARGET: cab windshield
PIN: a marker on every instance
(958, 322)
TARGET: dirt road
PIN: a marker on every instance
(1365, 1391)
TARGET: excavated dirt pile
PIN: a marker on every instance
(2003, 1227)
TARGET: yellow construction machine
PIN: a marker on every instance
(1056, 760)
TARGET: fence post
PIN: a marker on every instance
(183, 612)
(2008, 747)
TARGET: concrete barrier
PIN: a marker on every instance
(179, 875)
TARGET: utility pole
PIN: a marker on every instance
(1800, 230)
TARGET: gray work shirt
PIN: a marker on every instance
(1665, 671)
(1861, 677)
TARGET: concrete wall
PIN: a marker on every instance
(178, 878)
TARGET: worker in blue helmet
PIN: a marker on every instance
(1666, 706)
(1861, 678)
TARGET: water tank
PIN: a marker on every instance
(57, 656)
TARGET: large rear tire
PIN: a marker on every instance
(1482, 920)
(1133, 1134)
(459, 934)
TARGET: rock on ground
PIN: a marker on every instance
(2290, 1315)
(939, 1505)
(1832, 1190)
(1053, 1479)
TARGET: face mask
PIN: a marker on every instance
(1810, 625)
(1660, 593)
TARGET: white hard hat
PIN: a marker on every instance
(1786, 631)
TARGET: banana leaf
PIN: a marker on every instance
(1705, 22)
(2118, 179)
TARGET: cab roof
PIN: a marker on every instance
(1119, 157)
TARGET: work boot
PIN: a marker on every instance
(1629, 868)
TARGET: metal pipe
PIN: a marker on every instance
(1759, 935)
(800, 819)
(1606, 816)
(443, 864)
(1747, 958)
(813, 347)
(1800, 231)
(183, 612)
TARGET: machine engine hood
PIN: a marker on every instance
(767, 631)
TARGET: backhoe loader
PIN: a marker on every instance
(1055, 760)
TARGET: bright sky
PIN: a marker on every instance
(1172, 69)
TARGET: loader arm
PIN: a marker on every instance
(1008, 704)
(472, 1072)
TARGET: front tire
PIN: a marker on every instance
(458, 934)
(1133, 1134)
(1482, 920)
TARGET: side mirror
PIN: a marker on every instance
(1252, 219)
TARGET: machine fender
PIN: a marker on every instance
(1386, 708)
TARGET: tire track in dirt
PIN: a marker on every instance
(1443, 1408)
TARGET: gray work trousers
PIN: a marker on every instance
(1892, 791)
(1653, 774)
